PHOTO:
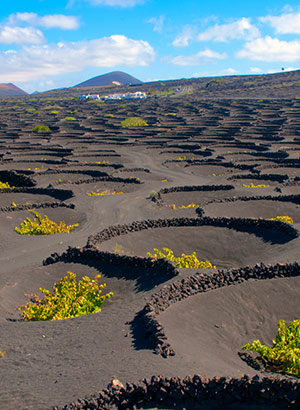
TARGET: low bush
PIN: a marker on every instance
(5, 185)
(152, 194)
(283, 218)
(2, 354)
(284, 356)
(43, 226)
(255, 186)
(134, 122)
(103, 193)
(41, 128)
(68, 299)
(183, 261)
(69, 119)
(192, 205)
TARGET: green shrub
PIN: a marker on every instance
(134, 122)
(43, 226)
(183, 261)
(68, 299)
(109, 115)
(69, 119)
(284, 356)
(41, 128)
(152, 194)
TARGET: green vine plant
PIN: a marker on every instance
(183, 261)
(41, 128)
(134, 122)
(42, 225)
(284, 355)
(68, 299)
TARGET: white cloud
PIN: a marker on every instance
(227, 71)
(158, 23)
(120, 3)
(184, 38)
(286, 24)
(20, 35)
(270, 49)
(48, 21)
(256, 70)
(198, 58)
(39, 61)
(240, 29)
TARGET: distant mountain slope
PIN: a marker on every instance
(113, 78)
(10, 90)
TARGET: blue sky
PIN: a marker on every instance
(50, 44)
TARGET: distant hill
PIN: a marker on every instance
(10, 90)
(113, 78)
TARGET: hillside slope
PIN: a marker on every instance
(10, 90)
(113, 78)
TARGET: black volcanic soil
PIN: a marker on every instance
(228, 138)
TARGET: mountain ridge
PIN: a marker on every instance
(11, 90)
(112, 78)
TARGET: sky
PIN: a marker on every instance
(47, 44)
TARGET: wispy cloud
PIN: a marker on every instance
(41, 61)
(48, 21)
(157, 22)
(270, 49)
(227, 71)
(120, 3)
(285, 24)
(198, 58)
(239, 29)
(185, 37)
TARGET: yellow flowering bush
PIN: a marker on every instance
(192, 205)
(43, 226)
(68, 299)
(284, 355)
(5, 185)
(283, 218)
(103, 193)
(255, 186)
(183, 261)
